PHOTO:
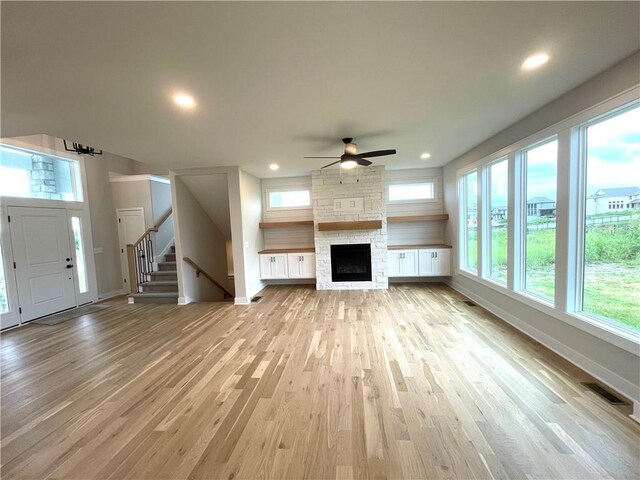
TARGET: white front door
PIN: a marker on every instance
(43, 260)
(130, 228)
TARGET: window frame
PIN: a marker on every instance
(463, 253)
(76, 171)
(567, 215)
(523, 214)
(487, 236)
(427, 181)
(576, 304)
(271, 190)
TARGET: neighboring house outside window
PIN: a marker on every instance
(612, 199)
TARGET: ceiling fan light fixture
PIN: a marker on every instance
(350, 149)
(349, 164)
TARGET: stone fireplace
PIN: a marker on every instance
(350, 196)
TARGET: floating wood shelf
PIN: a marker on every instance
(358, 225)
(289, 250)
(414, 247)
(419, 218)
(298, 223)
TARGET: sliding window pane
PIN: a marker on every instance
(612, 220)
(469, 238)
(540, 235)
(499, 222)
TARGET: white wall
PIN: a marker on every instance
(198, 238)
(253, 242)
(613, 365)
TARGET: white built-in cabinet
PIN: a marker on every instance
(403, 263)
(424, 262)
(273, 265)
(436, 262)
(287, 265)
(301, 265)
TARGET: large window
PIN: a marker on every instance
(540, 166)
(469, 222)
(611, 224)
(497, 220)
(290, 199)
(408, 192)
(24, 173)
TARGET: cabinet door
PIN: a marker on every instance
(426, 263)
(308, 265)
(280, 269)
(294, 264)
(409, 263)
(393, 259)
(442, 262)
(266, 262)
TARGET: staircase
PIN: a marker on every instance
(163, 286)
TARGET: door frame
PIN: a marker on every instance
(123, 248)
(73, 209)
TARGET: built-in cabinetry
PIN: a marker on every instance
(419, 262)
(301, 265)
(283, 265)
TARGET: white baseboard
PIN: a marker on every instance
(604, 375)
(184, 300)
(241, 301)
(111, 294)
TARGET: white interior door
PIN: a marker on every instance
(131, 227)
(43, 261)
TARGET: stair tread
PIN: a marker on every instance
(167, 263)
(155, 294)
(159, 282)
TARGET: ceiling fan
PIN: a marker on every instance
(351, 159)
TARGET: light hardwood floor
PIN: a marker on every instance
(404, 383)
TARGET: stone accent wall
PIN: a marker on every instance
(43, 179)
(369, 184)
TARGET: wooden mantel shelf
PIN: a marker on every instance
(297, 223)
(419, 218)
(357, 225)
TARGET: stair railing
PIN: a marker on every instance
(141, 256)
(199, 270)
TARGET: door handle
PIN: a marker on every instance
(68, 259)
(69, 266)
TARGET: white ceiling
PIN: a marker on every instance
(277, 81)
(212, 193)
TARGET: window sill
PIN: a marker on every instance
(620, 338)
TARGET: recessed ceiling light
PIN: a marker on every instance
(535, 61)
(274, 166)
(425, 155)
(184, 101)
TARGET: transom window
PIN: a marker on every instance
(30, 174)
(290, 199)
(407, 192)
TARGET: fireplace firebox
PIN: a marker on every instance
(351, 263)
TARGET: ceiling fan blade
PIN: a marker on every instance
(330, 164)
(376, 153)
(363, 162)
(320, 157)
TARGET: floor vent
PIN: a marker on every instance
(606, 394)
(470, 303)
(256, 299)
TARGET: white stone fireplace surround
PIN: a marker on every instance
(360, 195)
